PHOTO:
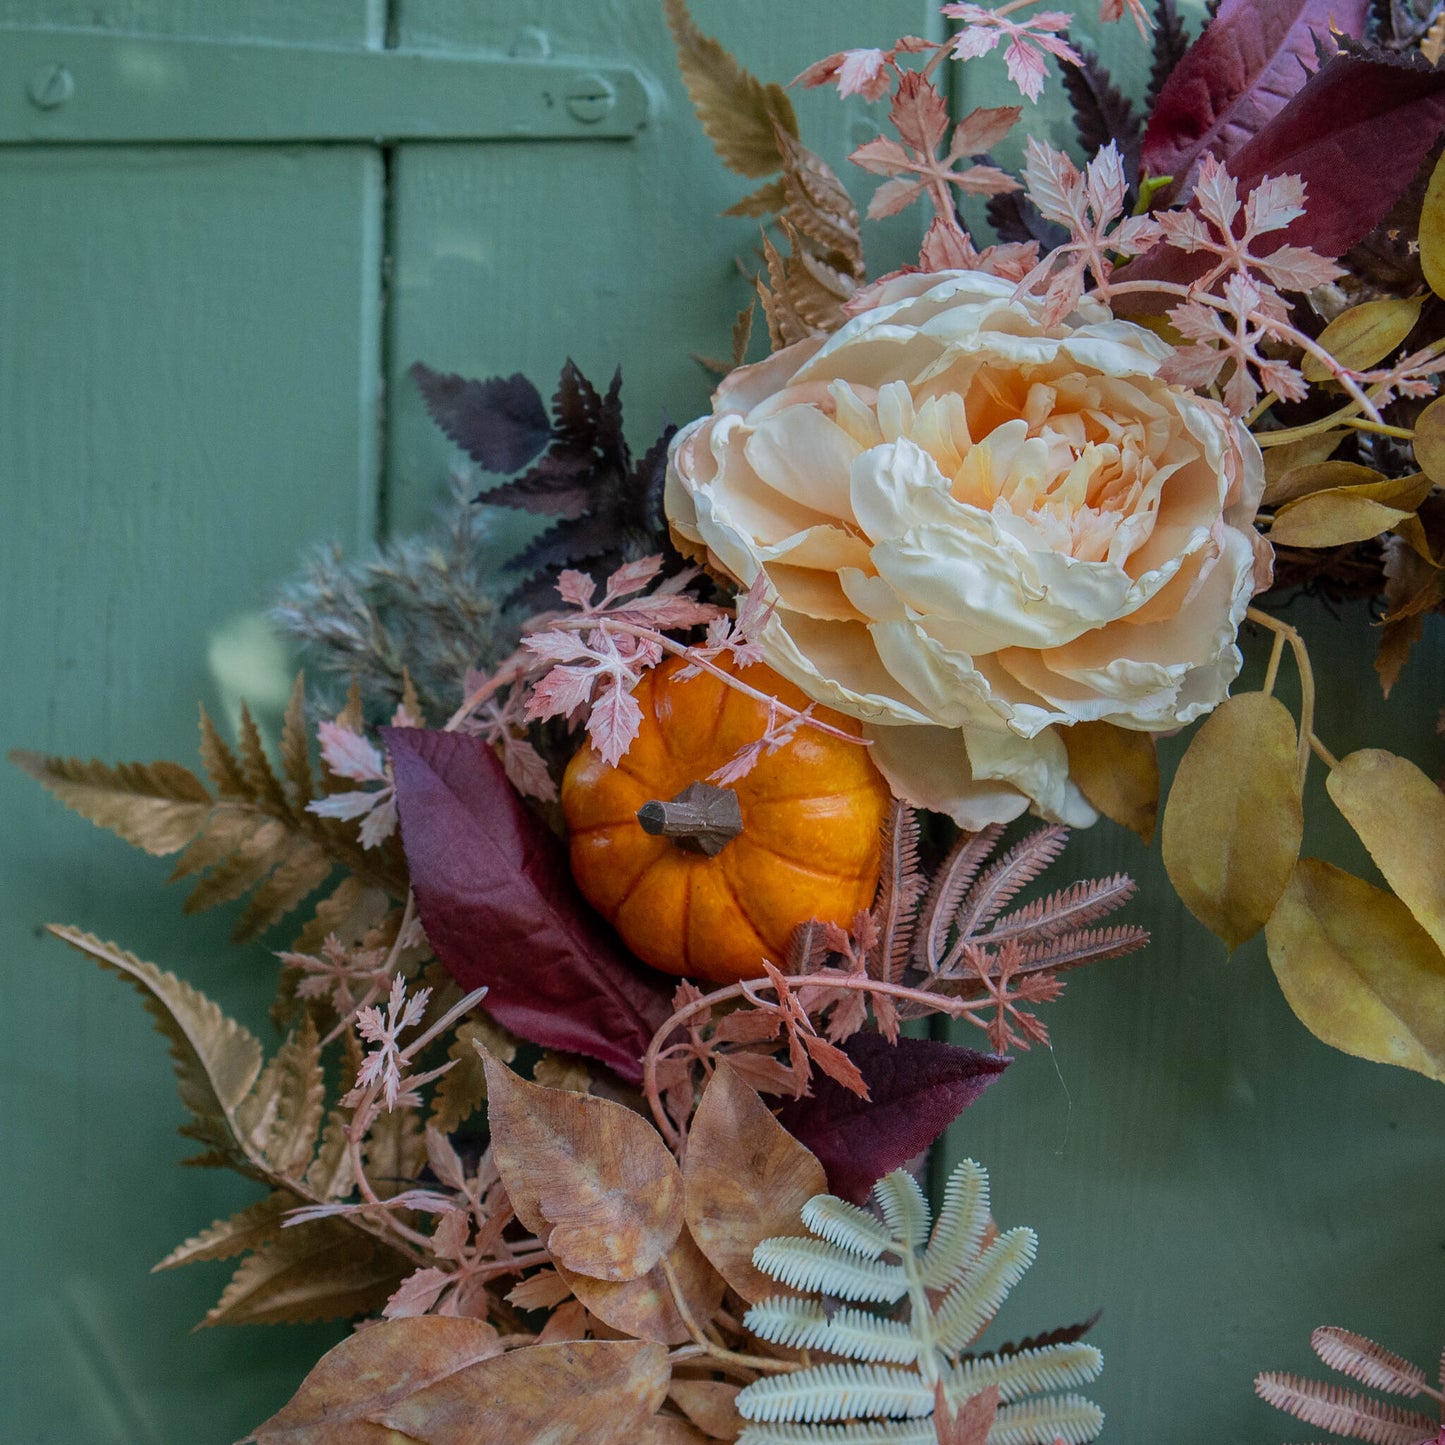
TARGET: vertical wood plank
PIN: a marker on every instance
(187, 398)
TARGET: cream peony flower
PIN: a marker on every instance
(980, 529)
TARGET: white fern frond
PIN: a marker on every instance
(814, 1266)
(867, 1432)
(962, 1222)
(847, 1226)
(836, 1392)
(1070, 1418)
(975, 1299)
(905, 1208)
(803, 1324)
(1026, 1372)
(1362, 1359)
(862, 1397)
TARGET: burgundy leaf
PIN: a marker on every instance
(917, 1088)
(500, 424)
(500, 908)
(1355, 134)
(1245, 67)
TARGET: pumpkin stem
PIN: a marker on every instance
(700, 819)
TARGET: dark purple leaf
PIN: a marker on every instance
(1064, 1335)
(1356, 134)
(1251, 59)
(500, 908)
(1170, 41)
(917, 1088)
(1015, 218)
(500, 424)
(1101, 113)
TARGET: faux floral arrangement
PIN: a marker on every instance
(593, 1052)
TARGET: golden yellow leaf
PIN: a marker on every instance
(371, 1371)
(737, 110)
(644, 1307)
(710, 1405)
(1306, 477)
(747, 1179)
(580, 1392)
(1432, 231)
(1233, 822)
(1430, 435)
(1117, 770)
(589, 1177)
(1338, 515)
(1399, 814)
(1358, 970)
(1432, 43)
(1306, 452)
(1365, 334)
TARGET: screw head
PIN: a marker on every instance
(531, 42)
(51, 86)
(590, 98)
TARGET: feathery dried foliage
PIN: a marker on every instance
(1349, 1413)
(258, 832)
(417, 613)
(899, 1374)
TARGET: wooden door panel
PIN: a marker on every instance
(189, 387)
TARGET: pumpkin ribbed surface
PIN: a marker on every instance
(809, 848)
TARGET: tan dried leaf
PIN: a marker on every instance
(249, 1228)
(747, 1180)
(321, 1270)
(737, 110)
(303, 868)
(330, 1174)
(818, 205)
(158, 807)
(544, 1289)
(644, 1307)
(1307, 451)
(710, 1405)
(216, 1059)
(568, 1072)
(296, 746)
(1399, 815)
(669, 1430)
(1357, 969)
(585, 1392)
(348, 912)
(261, 849)
(1117, 770)
(589, 1177)
(1365, 334)
(1234, 820)
(395, 1152)
(370, 1372)
(768, 200)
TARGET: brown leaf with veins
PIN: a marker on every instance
(709, 1404)
(644, 1308)
(372, 1371)
(668, 1430)
(584, 1392)
(587, 1176)
(747, 1180)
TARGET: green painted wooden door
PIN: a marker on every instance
(202, 373)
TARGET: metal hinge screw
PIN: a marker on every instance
(51, 86)
(590, 99)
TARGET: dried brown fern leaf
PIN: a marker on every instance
(900, 889)
(946, 892)
(1065, 911)
(819, 206)
(1013, 872)
(1092, 945)
(1362, 1359)
(1344, 1412)
(738, 111)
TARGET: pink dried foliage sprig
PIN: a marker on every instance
(349, 754)
(1090, 203)
(1028, 40)
(347, 978)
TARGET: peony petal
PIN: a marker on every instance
(929, 768)
(806, 456)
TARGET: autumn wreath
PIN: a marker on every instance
(595, 1103)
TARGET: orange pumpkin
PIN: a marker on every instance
(811, 816)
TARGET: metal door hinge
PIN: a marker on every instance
(107, 87)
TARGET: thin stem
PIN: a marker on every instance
(1306, 686)
(512, 669)
(707, 1346)
(1323, 753)
(1380, 428)
(1272, 671)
